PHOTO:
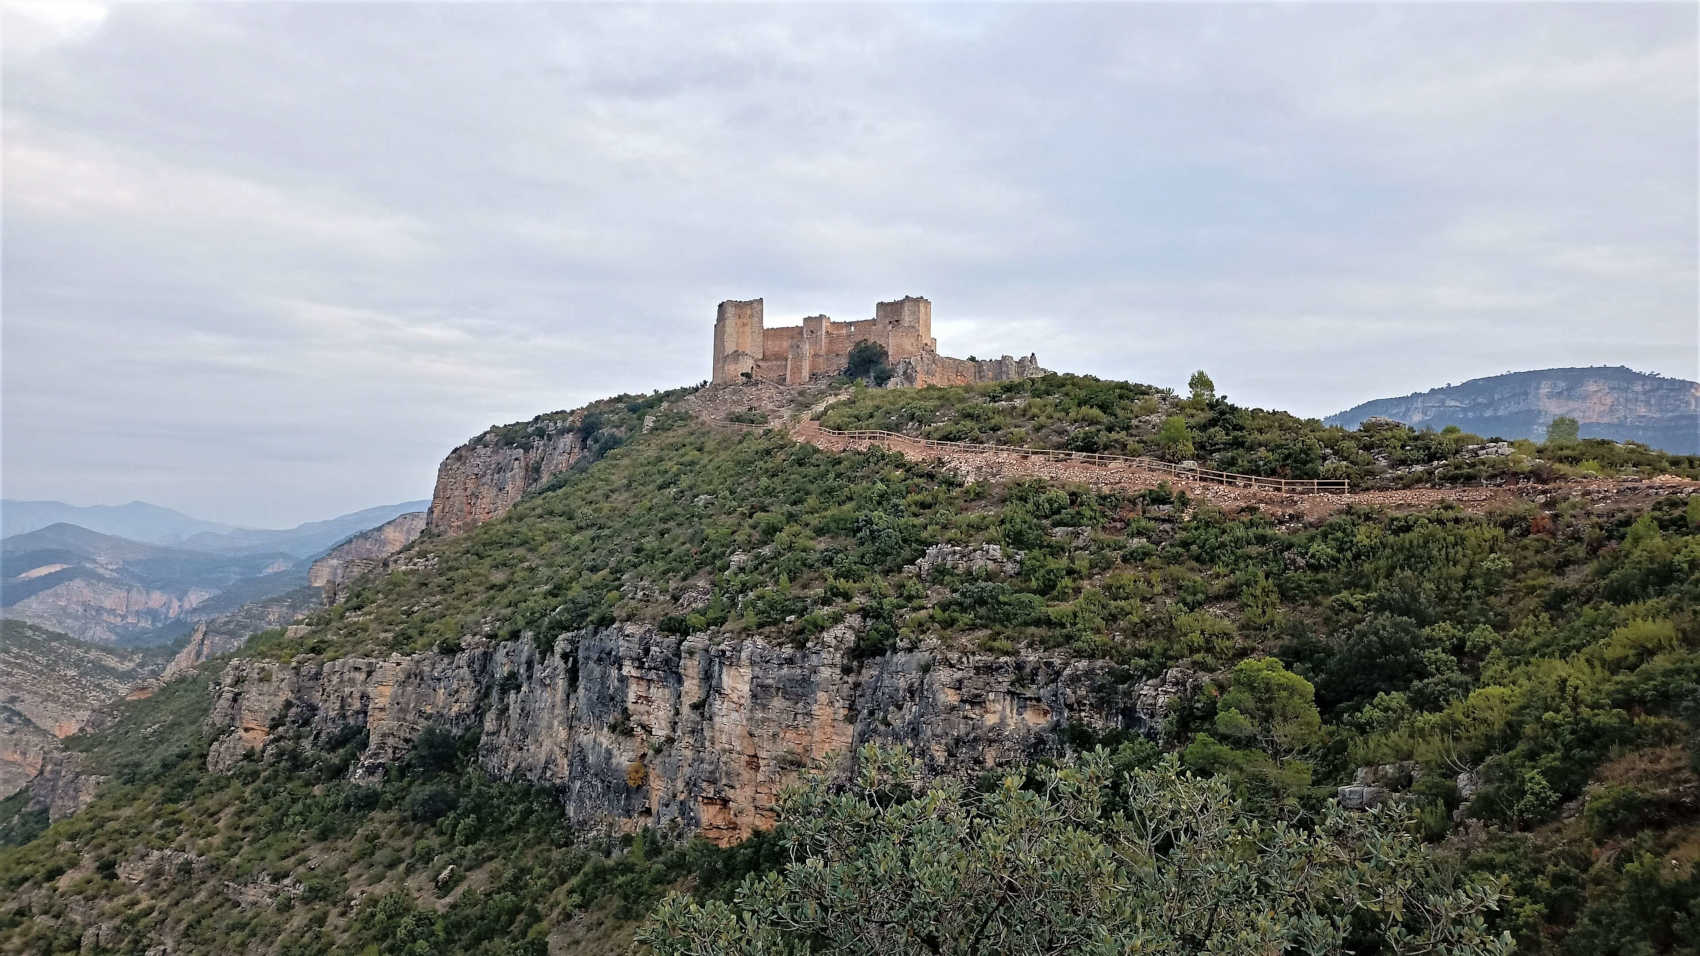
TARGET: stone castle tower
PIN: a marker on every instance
(819, 346)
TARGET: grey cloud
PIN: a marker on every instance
(266, 262)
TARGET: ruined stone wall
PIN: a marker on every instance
(799, 362)
(738, 338)
(819, 346)
(842, 335)
(931, 368)
(778, 342)
(907, 327)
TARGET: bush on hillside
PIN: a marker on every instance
(1079, 859)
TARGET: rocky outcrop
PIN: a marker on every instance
(64, 785)
(163, 863)
(483, 478)
(1374, 785)
(104, 609)
(263, 891)
(1616, 403)
(983, 559)
(203, 645)
(221, 635)
(57, 682)
(363, 553)
(632, 727)
(930, 368)
(24, 748)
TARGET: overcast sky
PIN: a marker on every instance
(269, 262)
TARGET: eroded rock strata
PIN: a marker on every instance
(632, 727)
(363, 553)
(483, 478)
(226, 633)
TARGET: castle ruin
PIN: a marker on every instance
(745, 349)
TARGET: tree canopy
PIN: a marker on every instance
(1201, 386)
(1563, 430)
(870, 361)
(1078, 858)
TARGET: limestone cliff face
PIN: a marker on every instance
(1615, 403)
(930, 368)
(632, 727)
(24, 747)
(483, 478)
(105, 610)
(203, 645)
(228, 632)
(363, 553)
(64, 785)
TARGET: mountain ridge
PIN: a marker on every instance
(1613, 402)
(137, 520)
(153, 524)
(112, 590)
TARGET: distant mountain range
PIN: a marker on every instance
(303, 540)
(152, 524)
(1610, 402)
(111, 589)
(138, 520)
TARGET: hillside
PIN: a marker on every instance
(1079, 413)
(49, 685)
(360, 555)
(508, 739)
(363, 553)
(217, 636)
(1614, 403)
(486, 476)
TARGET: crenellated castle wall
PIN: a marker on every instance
(819, 346)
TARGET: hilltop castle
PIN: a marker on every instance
(744, 348)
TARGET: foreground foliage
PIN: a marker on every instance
(1078, 859)
(292, 857)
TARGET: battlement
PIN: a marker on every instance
(745, 348)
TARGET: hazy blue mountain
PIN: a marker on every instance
(114, 590)
(304, 540)
(1609, 401)
(139, 521)
(111, 590)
